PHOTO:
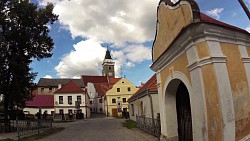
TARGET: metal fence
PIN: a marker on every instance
(25, 127)
(152, 126)
(9, 126)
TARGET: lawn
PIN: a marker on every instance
(130, 124)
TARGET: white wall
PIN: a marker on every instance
(35, 110)
(65, 106)
(146, 107)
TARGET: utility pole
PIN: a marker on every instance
(245, 8)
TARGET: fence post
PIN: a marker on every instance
(159, 125)
(17, 128)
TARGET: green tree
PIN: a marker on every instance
(23, 37)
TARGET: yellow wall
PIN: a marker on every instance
(214, 119)
(180, 65)
(240, 89)
(46, 90)
(123, 84)
(169, 29)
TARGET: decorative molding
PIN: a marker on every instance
(206, 61)
(197, 33)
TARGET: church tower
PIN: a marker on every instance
(108, 65)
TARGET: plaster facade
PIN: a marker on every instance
(213, 63)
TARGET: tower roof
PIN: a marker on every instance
(107, 56)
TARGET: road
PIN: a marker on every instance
(98, 129)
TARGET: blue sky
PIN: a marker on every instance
(85, 25)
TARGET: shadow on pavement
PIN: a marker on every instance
(96, 115)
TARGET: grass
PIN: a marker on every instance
(38, 136)
(129, 124)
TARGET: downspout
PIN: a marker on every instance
(151, 106)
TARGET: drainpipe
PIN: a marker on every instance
(151, 106)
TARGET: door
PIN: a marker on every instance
(184, 114)
(114, 112)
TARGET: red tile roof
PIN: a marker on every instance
(70, 87)
(41, 101)
(102, 88)
(205, 18)
(150, 85)
(113, 80)
(94, 79)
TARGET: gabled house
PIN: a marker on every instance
(50, 85)
(71, 98)
(116, 97)
(145, 101)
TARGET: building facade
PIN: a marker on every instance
(203, 75)
(144, 102)
(71, 99)
(116, 97)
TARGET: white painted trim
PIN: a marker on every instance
(200, 33)
(169, 126)
(199, 111)
(206, 61)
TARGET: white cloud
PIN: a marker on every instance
(215, 12)
(85, 59)
(108, 20)
(138, 53)
(130, 64)
(248, 29)
(47, 76)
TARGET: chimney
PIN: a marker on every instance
(59, 86)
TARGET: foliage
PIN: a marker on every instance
(130, 124)
(23, 37)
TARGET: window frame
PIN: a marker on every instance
(70, 101)
(118, 89)
(60, 99)
(113, 100)
(123, 100)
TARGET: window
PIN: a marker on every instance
(132, 109)
(60, 99)
(100, 100)
(124, 109)
(100, 109)
(90, 102)
(91, 109)
(69, 100)
(118, 89)
(113, 100)
(50, 89)
(129, 89)
(42, 90)
(70, 111)
(124, 100)
(79, 98)
(109, 68)
(61, 111)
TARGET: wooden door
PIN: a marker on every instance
(114, 112)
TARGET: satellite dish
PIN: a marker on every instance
(56, 103)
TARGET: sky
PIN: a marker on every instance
(85, 28)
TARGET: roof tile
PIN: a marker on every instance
(41, 101)
(70, 87)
